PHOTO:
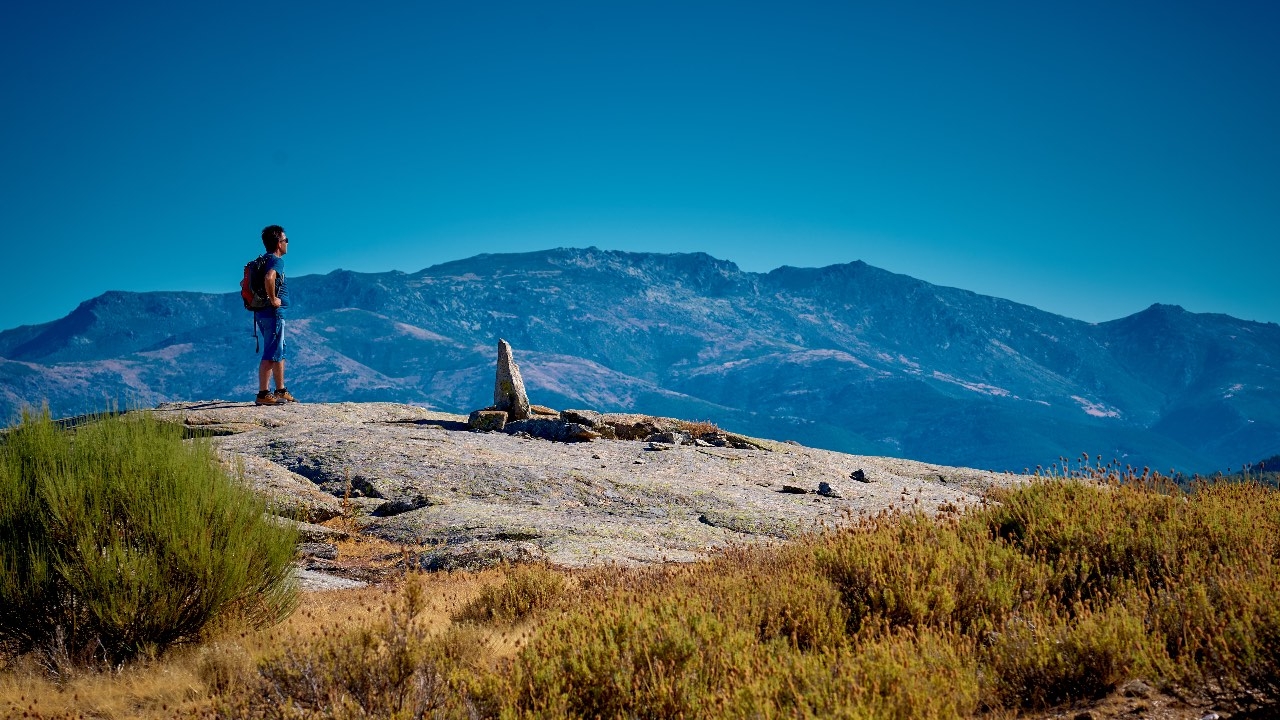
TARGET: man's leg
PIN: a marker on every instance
(264, 372)
(277, 369)
(272, 353)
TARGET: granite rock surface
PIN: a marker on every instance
(426, 480)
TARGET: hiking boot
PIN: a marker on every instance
(266, 398)
(283, 396)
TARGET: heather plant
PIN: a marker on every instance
(910, 570)
(391, 668)
(1055, 591)
(1052, 657)
(524, 590)
(119, 539)
(1059, 591)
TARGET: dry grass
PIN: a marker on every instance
(698, 428)
(1055, 595)
(190, 681)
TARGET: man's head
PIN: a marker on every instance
(273, 238)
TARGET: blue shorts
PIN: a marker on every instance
(272, 329)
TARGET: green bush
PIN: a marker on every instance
(119, 538)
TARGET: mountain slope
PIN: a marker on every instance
(848, 357)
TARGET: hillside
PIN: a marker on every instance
(848, 357)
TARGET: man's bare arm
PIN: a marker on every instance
(269, 282)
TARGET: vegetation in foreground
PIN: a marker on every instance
(119, 539)
(1057, 592)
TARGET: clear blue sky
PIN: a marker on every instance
(1088, 158)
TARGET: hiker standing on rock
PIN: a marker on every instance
(270, 320)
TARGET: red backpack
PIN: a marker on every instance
(253, 288)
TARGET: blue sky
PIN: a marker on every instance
(1088, 158)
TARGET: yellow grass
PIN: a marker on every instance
(178, 684)
(1057, 594)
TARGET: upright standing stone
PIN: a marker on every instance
(508, 386)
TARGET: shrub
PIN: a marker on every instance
(392, 668)
(119, 539)
(698, 428)
(911, 571)
(1047, 660)
(526, 589)
(630, 657)
(1058, 593)
(904, 674)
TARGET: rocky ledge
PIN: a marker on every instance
(463, 498)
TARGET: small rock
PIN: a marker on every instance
(311, 533)
(699, 442)
(590, 418)
(630, 427)
(1136, 688)
(493, 420)
(670, 437)
(544, 411)
(508, 387)
(363, 506)
(324, 550)
(792, 442)
(1209, 716)
(793, 490)
(391, 508)
(637, 462)
(824, 489)
(311, 580)
(595, 456)
(657, 446)
(860, 476)
(478, 555)
(714, 439)
(552, 429)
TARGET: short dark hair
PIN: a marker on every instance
(271, 236)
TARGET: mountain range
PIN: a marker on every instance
(846, 357)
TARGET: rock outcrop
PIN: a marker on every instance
(458, 498)
(508, 387)
(513, 414)
(551, 429)
(586, 418)
(487, 420)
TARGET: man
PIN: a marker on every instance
(271, 320)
